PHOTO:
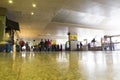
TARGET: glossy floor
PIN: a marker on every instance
(87, 65)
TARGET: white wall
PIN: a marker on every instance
(89, 34)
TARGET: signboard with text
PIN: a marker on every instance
(73, 37)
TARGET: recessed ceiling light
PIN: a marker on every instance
(10, 1)
(32, 13)
(34, 5)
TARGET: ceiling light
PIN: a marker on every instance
(32, 13)
(34, 5)
(10, 1)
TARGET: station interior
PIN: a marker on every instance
(59, 39)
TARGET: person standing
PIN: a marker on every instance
(42, 43)
(21, 43)
(48, 45)
(93, 42)
(17, 45)
(81, 45)
(34, 46)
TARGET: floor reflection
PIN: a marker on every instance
(63, 57)
(72, 65)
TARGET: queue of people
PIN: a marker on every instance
(43, 45)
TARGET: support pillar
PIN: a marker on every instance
(2, 23)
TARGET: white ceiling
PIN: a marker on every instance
(55, 18)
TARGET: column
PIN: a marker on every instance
(2, 23)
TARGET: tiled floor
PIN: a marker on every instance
(87, 65)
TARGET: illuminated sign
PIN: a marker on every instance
(73, 37)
